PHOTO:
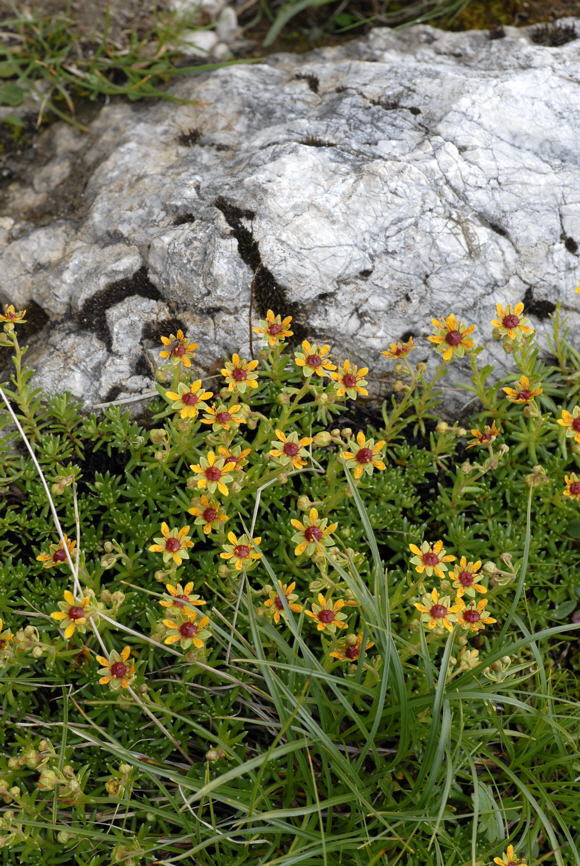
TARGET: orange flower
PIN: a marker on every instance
(510, 858)
(464, 576)
(349, 649)
(208, 514)
(241, 551)
(12, 316)
(223, 417)
(173, 545)
(351, 381)
(212, 473)
(274, 328)
(239, 374)
(116, 671)
(188, 630)
(177, 349)
(292, 451)
(237, 455)
(430, 558)
(571, 420)
(72, 614)
(438, 612)
(328, 615)
(488, 435)
(181, 597)
(313, 534)
(572, 486)
(189, 399)
(312, 359)
(510, 323)
(274, 602)
(523, 392)
(474, 616)
(57, 553)
(452, 339)
(399, 350)
(364, 456)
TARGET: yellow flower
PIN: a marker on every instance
(178, 349)
(208, 514)
(116, 671)
(72, 614)
(399, 350)
(523, 392)
(274, 328)
(312, 535)
(572, 486)
(452, 339)
(188, 630)
(438, 612)
(293, 449)
(430, 558)
(236, 455)
(485, 437)
(474, 616)
(364, 455)
(212, 473)
(510, 323)
(464, 576)
(173, 545)
(222, 417)
(239, 374)
(351, 381)
(571, 420)
(189, 399)
(328, 615)
(312, 359)
(181, 597)
(510, 858)
(349, 648)
(277, 608)
(57, 553)
(240, 551)
(5, 636)
(12, 316)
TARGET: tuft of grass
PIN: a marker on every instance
(177, 687)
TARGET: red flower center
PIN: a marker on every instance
(291, 449)
(453, 338)
(314, 360)
(364, 455)
(430, 559)
(59, 555)
(209, 515)
(574, 488)
(576, 424)
(179, 599)
(178, 350)
(238, 374)
(465, 578)
(351, 652)
(274, 329)
(118, 670)
(485, 437)
(325, 615)
(223, 417)
(312, 533)
(242, 550)
(349, 380)
(172, 544)
(187, 629)
(438, 611)
(510, 321)
(471, 616)
(212, 473)
(190, 399)
(526, 394)
(76, 612)
(278, 603)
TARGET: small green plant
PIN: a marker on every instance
(251, 627)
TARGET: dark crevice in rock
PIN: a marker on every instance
(406, 336)
(570, 244)
(496, 33)
(189, 138)
(142, 367)
(92, 314)
(112, 394)
(311, 80)
(155, 330)
(554, 34)
(312, 141)
(268, 294)
(364, 275)
(393, 105)
(498, 230)
(183, 219)
(540, 309)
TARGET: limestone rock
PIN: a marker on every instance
(363, 188)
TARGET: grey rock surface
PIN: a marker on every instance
(362, 188)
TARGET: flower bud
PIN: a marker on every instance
(304, 503)
(158, 436)
(399, 386)
(323, 439)
(442, 427)
(283, 398)
(490, 567)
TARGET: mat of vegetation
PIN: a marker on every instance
(265, 623)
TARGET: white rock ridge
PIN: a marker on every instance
(371, 185)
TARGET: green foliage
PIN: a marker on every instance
(274, 740)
